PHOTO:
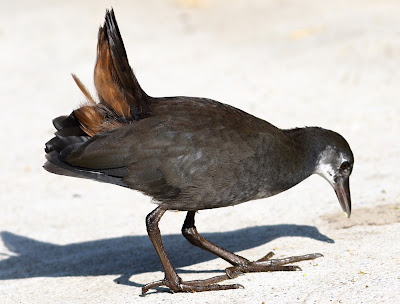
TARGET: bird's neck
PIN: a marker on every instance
(311, 142)
(288, 162)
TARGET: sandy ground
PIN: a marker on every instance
(293, 63)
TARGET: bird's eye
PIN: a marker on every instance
(345, 165)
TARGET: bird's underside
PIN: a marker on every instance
(186, 153)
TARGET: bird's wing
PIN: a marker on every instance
(181, 146)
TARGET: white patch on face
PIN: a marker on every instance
(325, 167)
(342, 159)
(326, 171)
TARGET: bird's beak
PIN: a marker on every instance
(342, 189)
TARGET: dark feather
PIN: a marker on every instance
(186, 153)
(134, 95)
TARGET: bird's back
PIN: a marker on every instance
(186, 153)
(189, 154)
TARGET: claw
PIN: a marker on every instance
(151, 285)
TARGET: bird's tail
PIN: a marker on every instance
(121, 99)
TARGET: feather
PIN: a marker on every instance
(83, 89)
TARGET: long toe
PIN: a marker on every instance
(293, 259)
(266, 257)
(266, 264)
(198, 288)
(193, 286)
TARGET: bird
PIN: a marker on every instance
(188, 154)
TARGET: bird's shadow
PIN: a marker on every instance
(130, 254)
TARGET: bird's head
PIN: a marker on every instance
(335, 164)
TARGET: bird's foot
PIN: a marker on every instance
(267, 264)
(192, 286)
(261, 265)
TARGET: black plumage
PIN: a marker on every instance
(187, 154)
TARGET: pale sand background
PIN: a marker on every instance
(327, 63)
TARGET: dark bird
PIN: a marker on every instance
(188, 154)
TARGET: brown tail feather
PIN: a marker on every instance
(107, 86)
(122, 100)
(91, 119)
(134, 95)
(83, 89)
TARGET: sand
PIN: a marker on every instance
(293, 63)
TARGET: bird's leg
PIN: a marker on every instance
(240, 264)
(189, 231)
(172, 280)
